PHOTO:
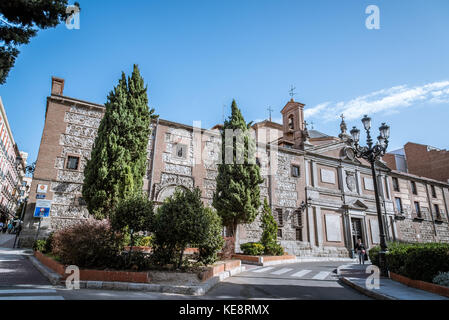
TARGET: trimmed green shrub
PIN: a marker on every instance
(442, 279)
(418, 261)
(269, 234)
(212, 238)
(133, 215)
(252, 248)
(373, 254)
(182, 222)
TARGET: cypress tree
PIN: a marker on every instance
(237, 196)
(118, 158)
(269, 232)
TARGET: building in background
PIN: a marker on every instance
(308, 167)
(420, 160)
(12, 168)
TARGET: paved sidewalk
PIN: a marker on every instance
(356, 275)
(7, 240)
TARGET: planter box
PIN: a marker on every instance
(218, 268)
(149, 249)
(129, 276)
(94, 275)
(265, 260)
(422, 285)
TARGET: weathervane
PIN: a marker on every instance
(292, 91)
(270, 110)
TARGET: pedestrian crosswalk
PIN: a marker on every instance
(295, 273)
(18, 293)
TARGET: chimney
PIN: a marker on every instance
(57, 86)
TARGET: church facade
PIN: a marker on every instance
(321, 195)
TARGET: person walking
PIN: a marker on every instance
(361, 251)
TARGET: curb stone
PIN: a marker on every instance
(53, 277)
(365, 291)
(195, 290)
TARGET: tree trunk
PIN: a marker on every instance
(180, 258)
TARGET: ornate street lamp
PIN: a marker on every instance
(372, 153)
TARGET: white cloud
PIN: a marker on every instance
(388, 101)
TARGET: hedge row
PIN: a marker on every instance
(419, 261)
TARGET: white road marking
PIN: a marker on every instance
(322, 275)
(301, 273)
(281, 271)
(32, 298)
(263, 269)
(16, 291)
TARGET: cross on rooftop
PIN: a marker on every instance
(292, 91)
(270, 110)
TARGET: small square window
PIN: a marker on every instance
(295, 171)
(181, 151)
(73, 162)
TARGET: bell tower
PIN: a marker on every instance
(293, 123)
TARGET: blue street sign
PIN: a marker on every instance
(42, 208)
(40, 196)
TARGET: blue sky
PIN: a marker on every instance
(196, 56)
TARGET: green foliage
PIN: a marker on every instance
(418, 261)
(88, 244)
(20, 21)
(118, 159)
(252, 248)
(373, 254)
(182, 222)
(39, 245)
(237, 196)
(44, 245)
(442, 279)
(146, 241)
(134, 213)
(212, 241)
(269, 233)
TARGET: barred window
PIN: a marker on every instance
(280, 217)
(72, 162)
(280, 233)
(298, 234)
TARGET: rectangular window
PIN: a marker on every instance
(437, 211)
(399, 205)
(298, 234)
(395, 184)
(295, 171)
(280, 217)
(434, 193)
(413, 184)
(280, 233)
(417, 210)
(299, 218)
(73, 162)
(181, 151)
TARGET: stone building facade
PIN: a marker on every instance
(321, 196)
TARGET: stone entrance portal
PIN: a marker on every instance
(357, 231)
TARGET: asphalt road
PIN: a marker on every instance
(19, 280)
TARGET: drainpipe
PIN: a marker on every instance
(153, 155)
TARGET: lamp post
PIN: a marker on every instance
(371, 153)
